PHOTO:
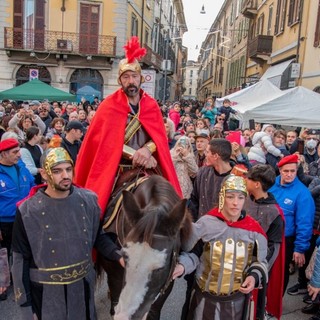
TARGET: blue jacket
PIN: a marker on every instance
(10, 193)
(298, 208)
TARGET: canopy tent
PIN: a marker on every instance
(297, 107)
(36, 90)
(88, 92)
(252, 96)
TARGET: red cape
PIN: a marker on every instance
(247, 223)
(276, 279)
(101, 150)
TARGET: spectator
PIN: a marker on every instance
(192, 136)
(201, 141)
(73, 116)
(279, 141)
(56, 127)
(31, 153)
(208, 181)
(291, 137)
(46, 115)
(174, 114)
(209, 111)
(170, 129)
(16, 182)
(185, 164)
(262, 143)
(226, 110)
(72, 140)
(314, 166)
(201, 126)
(69, 108)
(298, 208)
(23, 120)
(247, 138)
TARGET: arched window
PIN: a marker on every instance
(23, 74)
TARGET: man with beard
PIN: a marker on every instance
(126, 137)
(54, 233)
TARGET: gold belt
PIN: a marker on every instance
(61, 275)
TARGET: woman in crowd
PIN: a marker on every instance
(170, 130)
(24, 119)
(31, 153)
(185, 164)
(56, 128)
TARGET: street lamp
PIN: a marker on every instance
(202, 10)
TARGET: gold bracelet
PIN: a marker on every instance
(151, 146)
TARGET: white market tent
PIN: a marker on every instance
(264, 102)
(297, 107)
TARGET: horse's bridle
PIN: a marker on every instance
(173, 258)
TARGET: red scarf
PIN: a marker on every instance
(247, 223)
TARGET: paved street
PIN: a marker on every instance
(292, 305)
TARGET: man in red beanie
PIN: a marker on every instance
(15, 184)
(298, 208)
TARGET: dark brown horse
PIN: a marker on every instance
(150, 226)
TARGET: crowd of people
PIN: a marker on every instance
(254, 196)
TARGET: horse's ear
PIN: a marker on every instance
(176, 216)
(131, 207)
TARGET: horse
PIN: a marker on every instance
(150, 225)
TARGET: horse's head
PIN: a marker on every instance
(156, 214)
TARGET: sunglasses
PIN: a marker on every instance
(220, 119)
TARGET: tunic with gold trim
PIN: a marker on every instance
(52, 266)
(227, 255)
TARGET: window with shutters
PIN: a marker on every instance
(294, 9)
(280, 16)
(134, 25)
(317, 31)
(28, 24)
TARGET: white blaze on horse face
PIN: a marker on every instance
(142, 261)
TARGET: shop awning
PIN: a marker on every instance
(274, 73)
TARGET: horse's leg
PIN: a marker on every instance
(155, 310)
(115, 281)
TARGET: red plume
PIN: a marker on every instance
(133, 50)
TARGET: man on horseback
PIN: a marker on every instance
(126, 141)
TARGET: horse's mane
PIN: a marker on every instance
(157, 198)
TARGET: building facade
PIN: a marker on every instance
(73, 44)
(257, 39)
(191, 80)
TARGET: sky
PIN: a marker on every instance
(198, 24)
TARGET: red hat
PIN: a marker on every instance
(293, 158)
(8, 144)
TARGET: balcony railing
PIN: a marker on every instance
(260, 47)
(152, 58)
(249, 8)
(59, 42)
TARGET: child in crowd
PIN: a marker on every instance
(262, 144)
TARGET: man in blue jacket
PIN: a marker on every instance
(15, 184)
(298, 207)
